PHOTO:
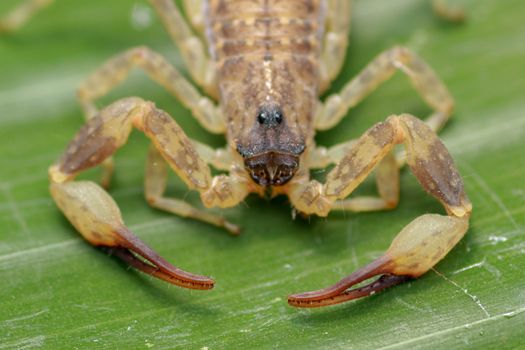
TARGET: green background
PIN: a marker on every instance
(56, 291)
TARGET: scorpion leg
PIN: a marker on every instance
(94, 213)
(387, 179)
(321, 157)
(335, 41)
(195, 13)
(387, 182)
(220, 158)
(425, 81)
(155, 186)
(192, 49)
(447, 12)
(424, 241)
(117, 68)
(21, 14)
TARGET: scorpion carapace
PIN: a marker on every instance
(267, 56)
(267, 63)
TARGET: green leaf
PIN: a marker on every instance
(56, 291)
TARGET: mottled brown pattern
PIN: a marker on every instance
(310, 192)
(89, 148)
(362, 158)
(267, 54)
(434, 167)
(175, 147)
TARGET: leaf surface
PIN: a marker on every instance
(56, 291)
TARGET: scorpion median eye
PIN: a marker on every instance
(262, 117)
(278, 116)
(270, 117)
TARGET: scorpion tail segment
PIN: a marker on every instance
(342, 291)
(137, 254)
(96, 216)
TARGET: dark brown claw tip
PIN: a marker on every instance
(137, 254)
(341, 291)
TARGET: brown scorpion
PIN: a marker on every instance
(265, 66)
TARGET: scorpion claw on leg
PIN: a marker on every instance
(342, 291)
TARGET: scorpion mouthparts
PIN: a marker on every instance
(272, 168)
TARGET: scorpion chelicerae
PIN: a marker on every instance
(267, 63)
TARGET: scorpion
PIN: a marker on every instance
(265, 67)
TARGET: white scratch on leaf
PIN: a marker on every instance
(497, 239)
(55, 247)
(403, 344)
(26, 317)
(38, 250)
(412, 306)
(255, 311)
(484, 264)
(466, 268)
(27, 343)
(464, 290)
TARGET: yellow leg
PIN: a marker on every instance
(387, 182)
(321, 157)
(21, 14)
(94, 213)
(335, 41)
(193, 52)
(387, 179)
(425, 81)
(155, 186)
(116, 69)
(445, 11)
(195, 12)
(423, 242)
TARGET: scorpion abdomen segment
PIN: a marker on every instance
(264, 28)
